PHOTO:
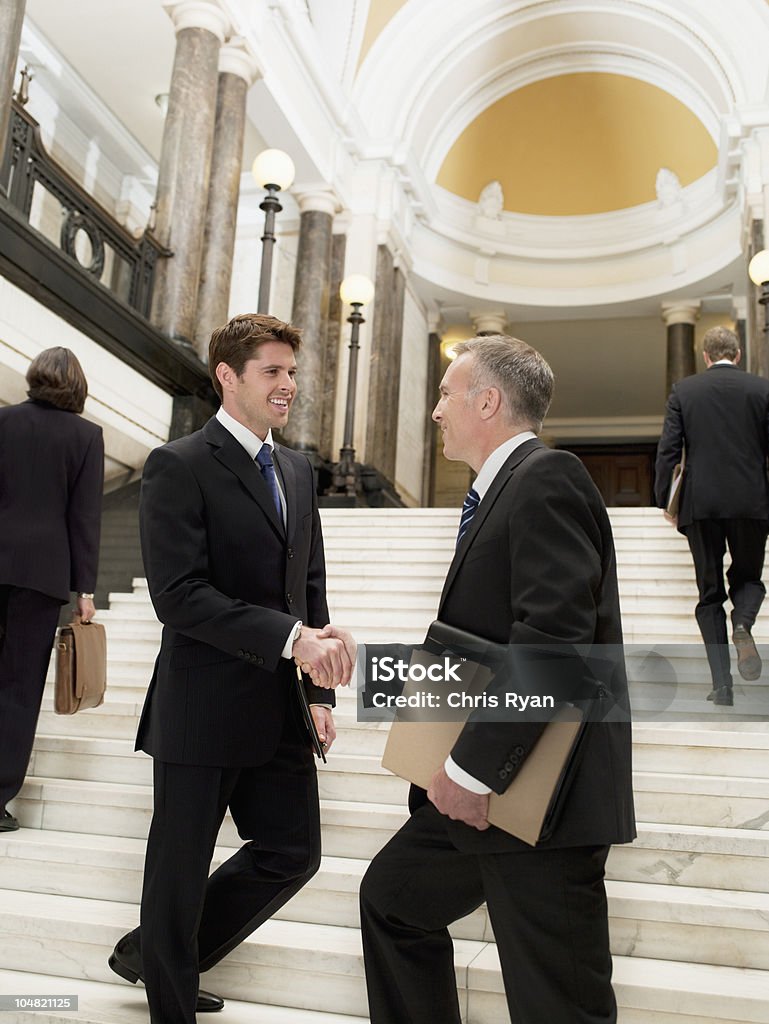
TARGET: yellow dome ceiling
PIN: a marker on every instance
(578, 144)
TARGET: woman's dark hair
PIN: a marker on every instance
(56, 376)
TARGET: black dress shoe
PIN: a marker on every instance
(748, 660)
(8, 823)
(127, 962)
(723, 695)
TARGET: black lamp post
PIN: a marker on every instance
(356, 290)
(273, 170)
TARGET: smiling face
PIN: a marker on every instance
(261, 397)
(454, 414)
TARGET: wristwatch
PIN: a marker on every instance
(86, 597)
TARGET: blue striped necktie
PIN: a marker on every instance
(469, 508)
(264, 458)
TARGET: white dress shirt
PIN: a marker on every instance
(253, 445)
(483, 481)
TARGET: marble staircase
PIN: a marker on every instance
(689, 900)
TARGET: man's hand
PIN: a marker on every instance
(345, 636)
(85, 609)
(324, 658)
(457, 802)
(324, 723)
(673, 520)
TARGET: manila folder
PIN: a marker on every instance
(416, 750)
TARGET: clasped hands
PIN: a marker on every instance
(326, 655)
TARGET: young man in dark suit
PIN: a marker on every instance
(721, 419)
(534, 565)
(233, 553)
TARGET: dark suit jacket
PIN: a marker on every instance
(537, 567)
(51, 479)
(228, 584)
(722, 417)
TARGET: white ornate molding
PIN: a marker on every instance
(205, 14)
(321, 198)
(494, 320)
(681, 312)
(237, 57)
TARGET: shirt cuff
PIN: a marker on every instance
(315, 704)
(464, 779)
(286, 652)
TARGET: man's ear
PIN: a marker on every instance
(226, 376)
(738, 356)
(492, 400)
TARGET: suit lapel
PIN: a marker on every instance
(288, 473)
(234, 456)
(498, 484)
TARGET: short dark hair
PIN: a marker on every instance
(522, 375)
(720, 343)
(56, 376)
(240, 338)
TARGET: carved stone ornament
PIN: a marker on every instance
(491, 201)
(71, 225)
(668, 187)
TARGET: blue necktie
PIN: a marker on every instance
(264, 458)
(469, 508)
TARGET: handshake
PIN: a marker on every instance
(326, 655)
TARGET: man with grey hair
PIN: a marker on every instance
(720, 418)
(534, 565)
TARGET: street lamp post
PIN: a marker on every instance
(356, 290)
(272, 170)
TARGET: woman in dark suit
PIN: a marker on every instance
(51, 476)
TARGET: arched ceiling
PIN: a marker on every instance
(578, 144)
(380, 12)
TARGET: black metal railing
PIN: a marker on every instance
(88, 234)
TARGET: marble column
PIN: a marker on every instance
(432, 431)
(385, 371)
(333, 333)
(680, 318)
(238, 70)
(310, 313)
(185, 163)
(490, 322)
(756, 313)
(11, 20)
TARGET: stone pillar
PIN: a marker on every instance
(492, 321)
(758, 343)
(333, 341)
(237, 72)
(11, 20)
(432, 431)
(680, 318)
(185, 163)
(310, 313)
(385, 371)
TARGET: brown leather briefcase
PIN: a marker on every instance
(81, 667)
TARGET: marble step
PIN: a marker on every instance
(681, 853)
(304, 965)
(104, 1003)
(697, 925)
(349, 828)
(672, 798)
(284, 963)
(648, 992)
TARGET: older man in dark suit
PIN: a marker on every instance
(534, 565)
(233, 552)
(721, 419)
